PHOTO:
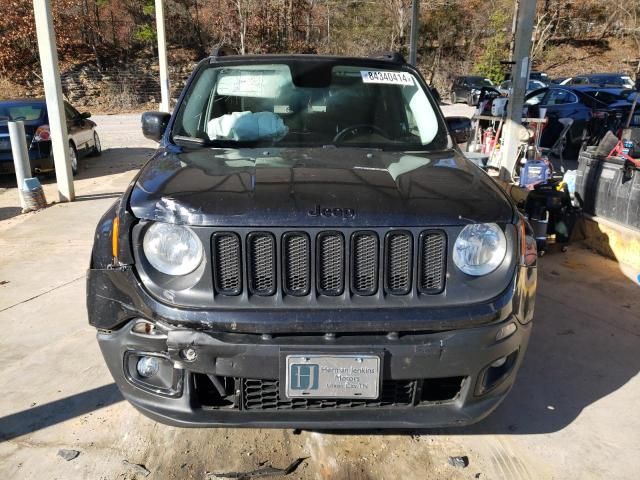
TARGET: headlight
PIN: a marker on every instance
(172, 249)
(479, 248)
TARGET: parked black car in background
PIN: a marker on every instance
(462, 88)
(540, 77)
(309, 248)
(82, 135)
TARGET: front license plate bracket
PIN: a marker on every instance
(312, 375)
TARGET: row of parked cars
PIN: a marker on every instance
(595, 103)
(467, 88)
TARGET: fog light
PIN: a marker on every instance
(499, 362)
(147, 366)
(506, 331)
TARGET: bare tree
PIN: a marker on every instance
(543, 30)
(400, 11)
(243, 9)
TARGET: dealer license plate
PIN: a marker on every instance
(332, 376)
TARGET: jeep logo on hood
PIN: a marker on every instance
(319, 210)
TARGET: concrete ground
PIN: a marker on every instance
(571, 415)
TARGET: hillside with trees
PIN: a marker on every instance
(114, 40)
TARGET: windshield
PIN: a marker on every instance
(21, 111)
(315, 105)
(535, 84)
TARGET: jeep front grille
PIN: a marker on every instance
(329, 263)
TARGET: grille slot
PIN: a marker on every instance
(399, 251)
(433, 257)
(364, 256)
(297, 264)
(330, 263)
(227, 263)
(262, 263)
(265, 395)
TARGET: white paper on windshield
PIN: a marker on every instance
(258, 84)
(389, 78)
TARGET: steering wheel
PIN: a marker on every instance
(354, 129)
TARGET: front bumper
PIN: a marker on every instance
(443, 373)
(434, 361)
(40, 158)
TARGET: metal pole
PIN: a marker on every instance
(519, 80)
(53, 93)
(20, 154)
(162, 57)
(514, 25)
(415, 26)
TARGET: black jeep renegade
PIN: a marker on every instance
(309, 248)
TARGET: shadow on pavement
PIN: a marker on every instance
(112, 161)
(43, 416)
(9, 212)
(584, 347)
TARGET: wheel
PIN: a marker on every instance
(97, 146)
(73, 156)
(453, 98)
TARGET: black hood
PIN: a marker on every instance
(316, 187)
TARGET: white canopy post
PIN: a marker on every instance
(53, 93)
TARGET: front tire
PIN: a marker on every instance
(97, 146)
(73, 157)
(453, 98)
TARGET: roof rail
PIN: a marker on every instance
(223, 51)
(394, 57)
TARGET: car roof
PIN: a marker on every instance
(23, 100)
(603, 74)
(598, 88)
(383, 58)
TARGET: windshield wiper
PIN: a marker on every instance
(180, 139)
(201, 142)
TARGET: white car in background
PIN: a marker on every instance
(505, 87)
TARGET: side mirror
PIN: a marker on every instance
(460, 128)
(154, 124)
(85, 115)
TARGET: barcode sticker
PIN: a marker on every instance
(389, 78)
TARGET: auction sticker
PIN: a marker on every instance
(389, 78)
